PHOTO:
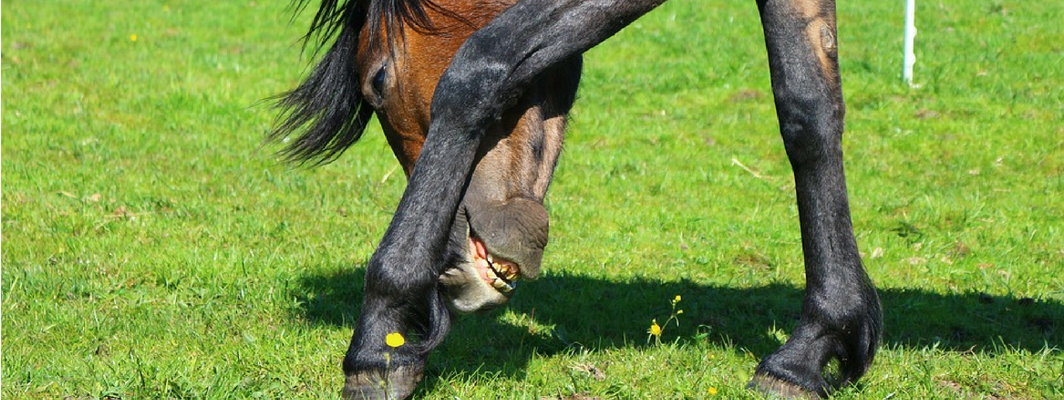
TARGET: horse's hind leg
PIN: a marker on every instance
(841, 318)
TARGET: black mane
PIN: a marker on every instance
(332, 16)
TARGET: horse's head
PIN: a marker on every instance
(392, 65)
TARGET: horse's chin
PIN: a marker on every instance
(466, 293)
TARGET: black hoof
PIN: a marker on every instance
(774, 388)
(797, 369)
(397, 383)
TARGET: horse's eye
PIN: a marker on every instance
(378, 82)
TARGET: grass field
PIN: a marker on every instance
(152, 249)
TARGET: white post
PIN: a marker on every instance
(910, 34)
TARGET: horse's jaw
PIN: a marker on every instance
(502, 242)
(473, 287)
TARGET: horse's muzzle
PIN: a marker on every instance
(503, 242)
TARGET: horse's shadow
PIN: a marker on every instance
(577, 312)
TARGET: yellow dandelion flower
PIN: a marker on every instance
(712, 391)
(132, 38)
(655, 329)
(394, 339)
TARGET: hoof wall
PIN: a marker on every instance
(398, 383)
(774, 388)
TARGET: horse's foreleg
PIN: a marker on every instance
(841, 317)
(487, 75)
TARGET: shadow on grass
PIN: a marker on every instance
(594, 314)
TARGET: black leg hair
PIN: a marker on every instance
(841, 316)
(488, 74)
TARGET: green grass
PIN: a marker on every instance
(151, 249)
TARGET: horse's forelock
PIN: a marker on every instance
(391, 16)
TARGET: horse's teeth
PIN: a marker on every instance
(501, 285)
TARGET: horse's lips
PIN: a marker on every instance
(481, 281)
(500, 274)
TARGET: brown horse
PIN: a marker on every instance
(473, 97)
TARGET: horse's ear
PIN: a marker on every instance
(327, 112)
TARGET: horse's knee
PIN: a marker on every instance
(811, 123)
(803, 59)
(810, 108)
(392, 275)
